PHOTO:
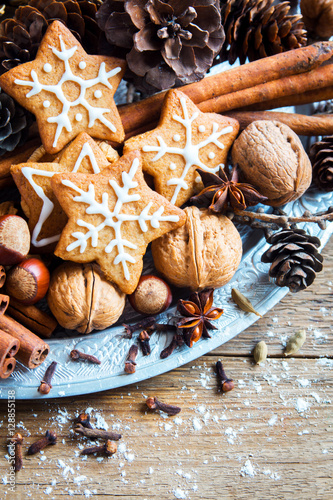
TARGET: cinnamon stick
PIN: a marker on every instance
(308, 97)
(2, 276)
(33, 350)
(8, 348)
(290, 85)
(272, 68)
(33, 318)
(300, 124)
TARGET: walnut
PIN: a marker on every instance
(205, 252)
(271, 158)
(81, 299)
(318, 17)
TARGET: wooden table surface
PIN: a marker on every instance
(271, 437)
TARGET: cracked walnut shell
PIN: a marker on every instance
(205, 252)
(271, 157)
(81, 299)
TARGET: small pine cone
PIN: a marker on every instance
(14, 123)
(257, 29)
(21, 35)
(294, 258)
(318, 18)
(166, 44)
(321, 157)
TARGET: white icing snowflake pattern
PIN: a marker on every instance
(48, 205)
(190, 152)
(115, 218)
(62, 120)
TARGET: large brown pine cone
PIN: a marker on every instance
(166, 43)
(321, 156)
(257, 29)
(14, 124)
(294, 258)
(21, 35)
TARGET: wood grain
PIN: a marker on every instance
(203, 453)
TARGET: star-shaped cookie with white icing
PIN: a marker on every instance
(68, 90)
(184, 140)
(112, 218)
(46, 217)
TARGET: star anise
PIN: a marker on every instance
(198, 312)
(224, 189)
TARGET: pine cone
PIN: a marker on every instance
(21, 35)
(257, 29)
(321, 157)
(14, 123)
(318, 18)
(166, 44)
(294, 258)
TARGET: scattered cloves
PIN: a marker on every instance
(96, 433)
(144, 343)
(108, 448)
(45, 385)
(177, 341)
(76, 355)
(49, 438)
(227, 384)
(84, 420)
(130, 364)
(154, 404)
(143, 325)
(16, 442)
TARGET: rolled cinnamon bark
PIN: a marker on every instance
(33, 350)
(9, 346)
(2, 276)
(33, 318)
(300, 124)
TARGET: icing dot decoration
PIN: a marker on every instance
(98, 94)
(47, 68)
(176, 137)
(78, 117)
(82, 64)
(172, 166)
(198, 179)
(211, 155)
(46, 104)
(202, 128)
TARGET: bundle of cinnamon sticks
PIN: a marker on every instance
(296, 77)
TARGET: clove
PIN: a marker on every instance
(76, 355)
(84, 420)
(154, 404)
(144, 343)
(49, 438)
(177, 341)
(143, 324)
(16, 442)
(108, 448)
(45, 385)
(227, 384)
(96, 433)
(130, 364)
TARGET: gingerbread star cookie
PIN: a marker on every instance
(68, 90)
(112, 218)
(46, 218)
(184, 140)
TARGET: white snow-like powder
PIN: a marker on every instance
(303, 382)
(196, 425)
(79, 479)
(48, 490)
(247, 469)
(180, 494)
(100, 422)
(272, 421)
(302, 405)
(150, 470)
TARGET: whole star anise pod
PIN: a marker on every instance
(224, 189)
(199, 312)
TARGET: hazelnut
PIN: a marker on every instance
(205, 252)
(152, 295)
(271, 157)
(14, 239)
(81, 298)
(28, 281)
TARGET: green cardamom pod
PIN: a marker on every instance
(260, 352)
(243, 302)
(295, 343)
